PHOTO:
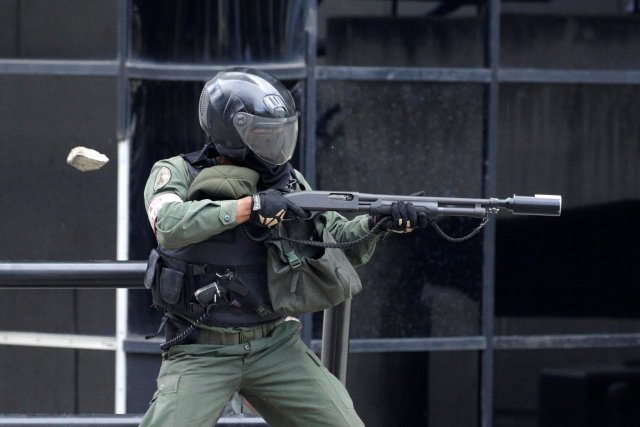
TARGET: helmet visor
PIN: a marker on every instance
(271, 139)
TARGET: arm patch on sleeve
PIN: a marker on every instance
(158, 202)
(162, 178)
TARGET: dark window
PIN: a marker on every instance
(398, 138)
(571, 274)
(223, 32)
(586, 387)
(62, 29)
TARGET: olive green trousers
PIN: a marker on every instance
(279, 375)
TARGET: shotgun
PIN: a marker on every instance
(380, 204)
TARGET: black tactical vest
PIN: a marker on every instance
(244, 298)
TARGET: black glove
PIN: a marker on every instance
(403, 219)
(269, 208)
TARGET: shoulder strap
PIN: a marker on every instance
(297, 178)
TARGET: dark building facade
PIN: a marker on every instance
(533, 322)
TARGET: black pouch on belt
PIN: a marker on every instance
(151, 277)
(171, 283)
(152, 265)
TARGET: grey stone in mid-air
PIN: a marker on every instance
(86, 159)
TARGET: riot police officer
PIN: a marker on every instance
(224, 289)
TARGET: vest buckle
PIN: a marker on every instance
(292, 259)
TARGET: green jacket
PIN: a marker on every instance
(180, 222)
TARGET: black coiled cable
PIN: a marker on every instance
(185, 333)
(376, 228)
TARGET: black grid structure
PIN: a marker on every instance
(491, 75)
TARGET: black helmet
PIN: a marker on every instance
(242, 109)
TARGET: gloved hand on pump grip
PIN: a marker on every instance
(404, 218)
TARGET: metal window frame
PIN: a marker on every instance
(124, 275)
(133, 69)
(129, 274)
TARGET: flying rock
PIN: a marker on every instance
(86, 159)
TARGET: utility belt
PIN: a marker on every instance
(225, 336)
(189, 288)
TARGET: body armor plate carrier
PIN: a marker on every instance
(229, 272)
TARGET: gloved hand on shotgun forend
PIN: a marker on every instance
(404, 218)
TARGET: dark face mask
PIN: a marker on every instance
(203, 158)
(271, 176)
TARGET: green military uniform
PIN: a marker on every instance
(271, 367)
